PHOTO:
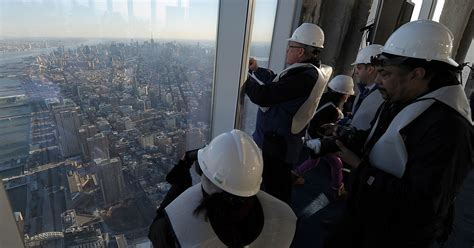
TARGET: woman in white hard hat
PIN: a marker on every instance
(227, 209)
(329, 111)
(288, 101)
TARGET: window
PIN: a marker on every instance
(438, 9)
(264, 19)
(416, 11)
(97, 101)
(466, 71)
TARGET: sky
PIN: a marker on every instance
(166, 19)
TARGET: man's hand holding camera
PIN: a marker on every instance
(344, 142)
(348, 156)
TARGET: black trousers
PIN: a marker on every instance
(276, 172)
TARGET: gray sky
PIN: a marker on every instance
(167, 19)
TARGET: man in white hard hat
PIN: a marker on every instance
(288, 101)
(369, 98)
(227, 209)
(419, 150)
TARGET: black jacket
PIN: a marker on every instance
(284, 98)
(415, 210)
(326, 115)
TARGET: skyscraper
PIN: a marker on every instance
(98, 147)
(67, 124)
(84, 133)
(111, 180)
(153, 11)
(131, 15)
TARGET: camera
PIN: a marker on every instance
(180, 172)
(191, 155)
(347, 135)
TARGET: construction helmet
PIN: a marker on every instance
(233, 162)
(342, 84)
(364, 55)
(422, 39)
(309, 34)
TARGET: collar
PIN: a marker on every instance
(371, 87)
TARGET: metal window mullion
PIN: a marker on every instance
(427, 9)
(233, 36)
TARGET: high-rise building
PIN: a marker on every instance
(84, 133)
(194, 139)
(128, 123)
(98, 147)
(146, 141)
(111, 179)
(130, 10)
(153, 11)
(67, 124)
(85, 237)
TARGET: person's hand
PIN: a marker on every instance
(329, 129)
(314, 144)
(253, 64)
(348, 156)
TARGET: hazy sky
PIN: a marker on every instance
(169, 19)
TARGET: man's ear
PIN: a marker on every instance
(300, 53)
(418, 73)
(371, 69)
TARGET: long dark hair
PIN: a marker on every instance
(228, 210)
(333, 97)
(223, 202)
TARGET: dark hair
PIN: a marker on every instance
(239, 220)
(438, 73)
(221, 203)
(332, 96)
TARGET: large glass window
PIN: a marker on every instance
(98, 98)
(262, 31)
(438, 9)
(416, 10)
(466, 72)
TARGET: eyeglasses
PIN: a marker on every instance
(295, 46)
(382, 60)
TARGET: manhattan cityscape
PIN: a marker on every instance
(91, 131)
(98, 100)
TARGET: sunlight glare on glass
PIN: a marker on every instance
(168, 19)
(416, 10)
(438, 10)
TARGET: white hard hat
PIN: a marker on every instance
(309, 34)
(422, 39)
(364, 55)
(342, 84)
(233, 162)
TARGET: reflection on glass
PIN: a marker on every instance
(372, 12)
(262, 32)
(466, 70)
(416, 10)
(97, 100)
(438, 9)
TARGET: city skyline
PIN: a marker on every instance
(118, 19)
(104, 126)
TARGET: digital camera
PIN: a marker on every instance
(347, 135)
